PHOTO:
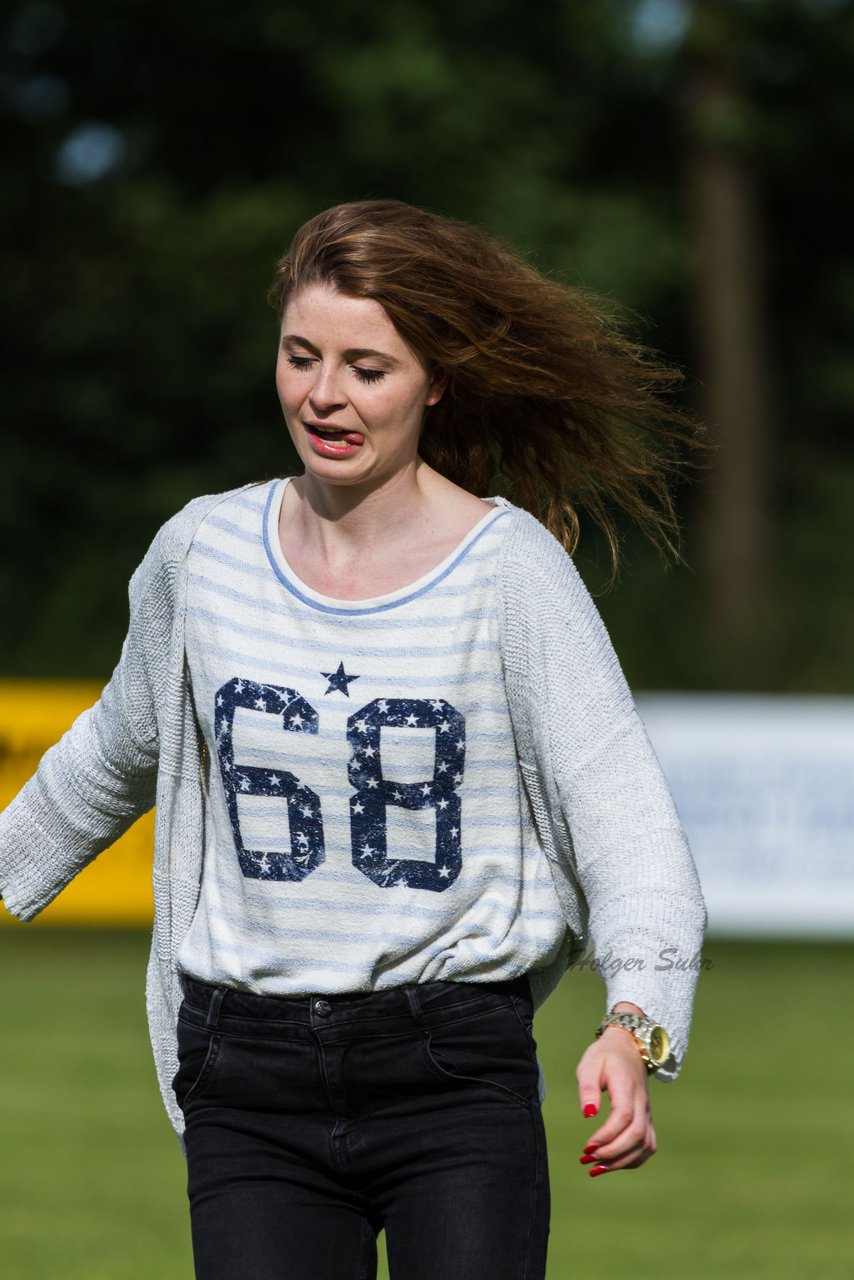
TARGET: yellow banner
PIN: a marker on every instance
(116, 888)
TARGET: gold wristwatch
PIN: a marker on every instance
(652, 1040)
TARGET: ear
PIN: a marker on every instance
(438, 386)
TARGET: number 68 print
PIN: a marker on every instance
(372, 793)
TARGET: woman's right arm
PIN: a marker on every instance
(100, 777)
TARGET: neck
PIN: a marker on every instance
(349, 517)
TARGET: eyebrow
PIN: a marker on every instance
(352, 353)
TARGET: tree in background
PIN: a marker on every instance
(161, 154)
(729, 271)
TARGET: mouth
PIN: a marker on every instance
(333, 442)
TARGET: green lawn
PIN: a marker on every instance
(752, 1180)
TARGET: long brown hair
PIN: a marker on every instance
(548, 401)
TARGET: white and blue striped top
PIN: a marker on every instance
(365, 820)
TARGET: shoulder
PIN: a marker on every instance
(530, 552)
(546, 607)
(177, 533)
(172, 541)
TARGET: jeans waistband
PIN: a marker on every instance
(424, 1003)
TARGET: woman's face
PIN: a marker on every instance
(352, 392)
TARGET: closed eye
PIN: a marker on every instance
(303, 363)
(300, 363)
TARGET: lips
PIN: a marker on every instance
(335, 435)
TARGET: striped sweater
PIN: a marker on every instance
(620, 864)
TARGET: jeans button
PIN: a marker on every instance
(322, 1008)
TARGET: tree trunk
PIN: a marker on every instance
(728, 279)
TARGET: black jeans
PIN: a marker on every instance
(313, 1124)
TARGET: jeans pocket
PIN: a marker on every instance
(490, 1049)
(523, 1007)
(198, 1049)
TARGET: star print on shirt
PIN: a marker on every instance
(338, 680)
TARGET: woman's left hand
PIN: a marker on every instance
(626, 1139)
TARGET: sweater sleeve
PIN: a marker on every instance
(614, 827)
(100, 777)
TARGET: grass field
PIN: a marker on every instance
(752, 1180)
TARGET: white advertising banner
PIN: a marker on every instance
(765, 788)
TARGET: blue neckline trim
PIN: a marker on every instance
(470, 540)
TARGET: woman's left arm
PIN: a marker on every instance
(609, 826)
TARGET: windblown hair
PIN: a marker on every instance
(549, 401)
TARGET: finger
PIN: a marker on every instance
(616, 1123)
(589, 1089)
(595, 1074)
(632, 1157)
(634, 1160)
(626, 1099)
(629, 1126)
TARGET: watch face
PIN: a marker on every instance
(659, 1045)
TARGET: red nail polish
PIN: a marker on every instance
(590, 1110)
(597, 1169)
(587, 1160)
(591, 1146)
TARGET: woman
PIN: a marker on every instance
(400, 780)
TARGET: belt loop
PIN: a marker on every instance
(411, 990)
(214, 1007)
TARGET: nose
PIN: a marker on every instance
(326, 393)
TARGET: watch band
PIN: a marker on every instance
(652, 1040)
